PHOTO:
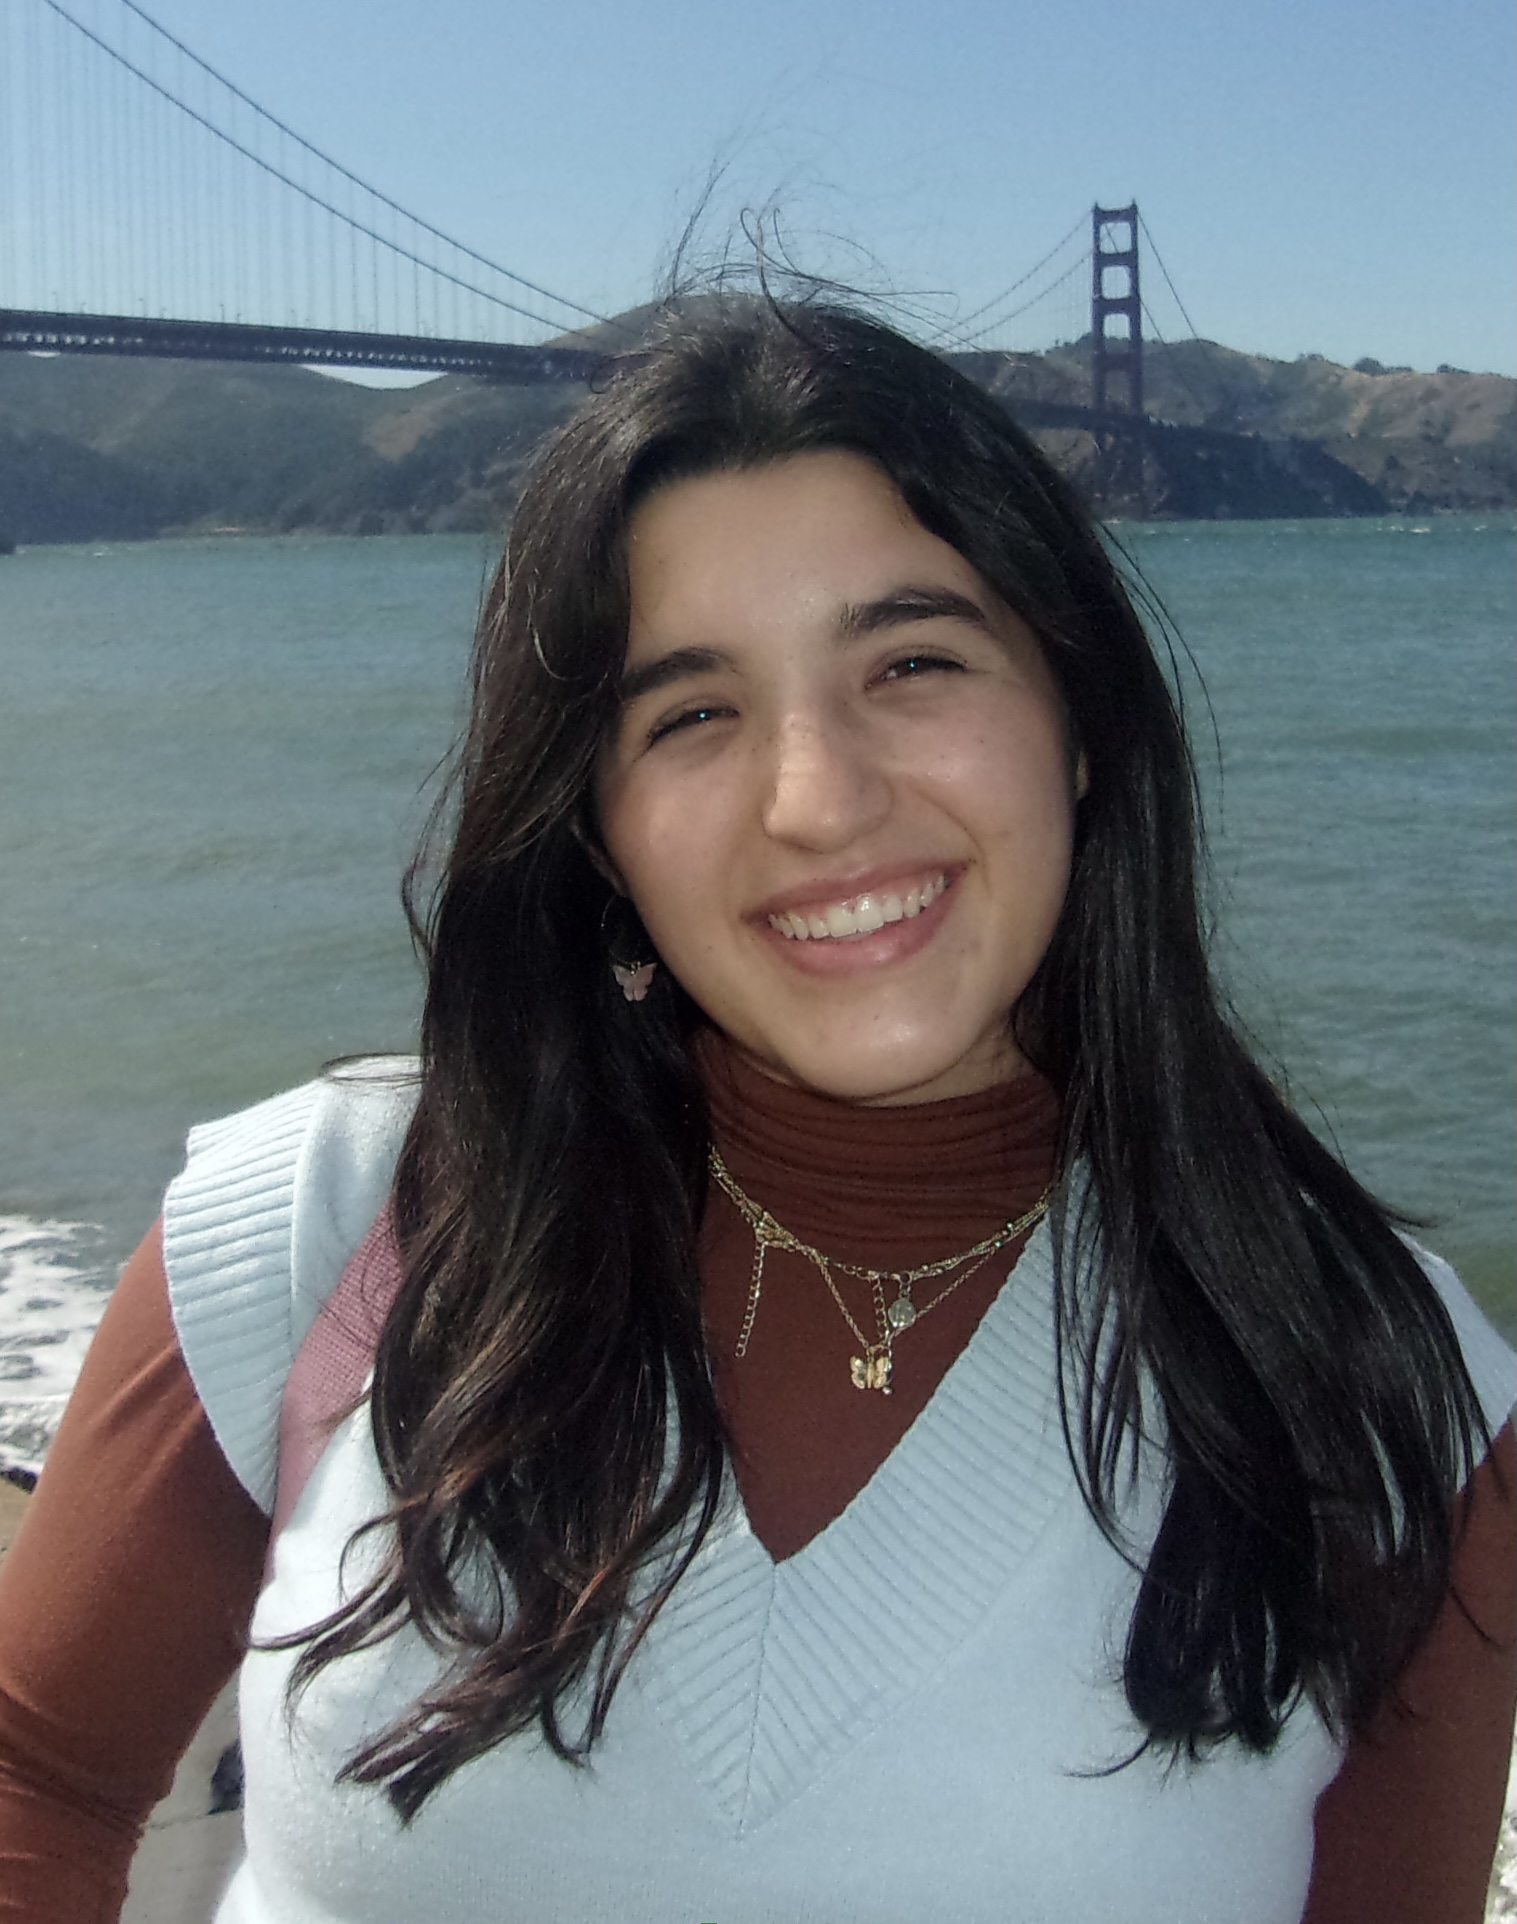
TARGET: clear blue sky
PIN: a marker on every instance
(1333, 177)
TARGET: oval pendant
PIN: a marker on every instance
(902, 1313)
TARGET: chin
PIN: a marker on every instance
(900, 1076)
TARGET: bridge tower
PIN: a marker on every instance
(1116, 314)
(1116, 362)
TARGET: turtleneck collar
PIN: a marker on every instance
(889, 1187)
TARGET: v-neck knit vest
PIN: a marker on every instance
(914, 1714)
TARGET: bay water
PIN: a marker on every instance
(216, 756)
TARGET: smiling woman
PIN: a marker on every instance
(836, 1333)
(841, 790)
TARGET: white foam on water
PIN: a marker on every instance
(1502, 1908)
(51, 1298)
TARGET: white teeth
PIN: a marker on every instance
(861, 916)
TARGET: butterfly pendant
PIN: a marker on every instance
(634, 983)
(870, 1372)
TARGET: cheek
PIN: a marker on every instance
(1015, 787)
(664, 856)
(1024, 829)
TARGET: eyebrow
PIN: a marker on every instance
(679, 662)
(907, 604)
(856, 620)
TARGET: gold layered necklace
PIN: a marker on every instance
(890, 1289)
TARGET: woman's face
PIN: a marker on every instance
(841, 790)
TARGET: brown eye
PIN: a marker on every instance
(689, 718)
(909, 667)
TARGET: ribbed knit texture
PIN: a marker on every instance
(228, 1220)
(258, 1227)
(774, 1669)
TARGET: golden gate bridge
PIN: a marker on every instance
(151, 207)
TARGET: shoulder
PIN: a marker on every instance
(1488, 1358)
(258, 1227)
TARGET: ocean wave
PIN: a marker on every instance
(53, 1290)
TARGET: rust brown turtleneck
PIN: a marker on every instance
(883, 1188)
(123, 1601)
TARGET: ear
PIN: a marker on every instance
(1082, 776)
(586, 835)
(601, 862)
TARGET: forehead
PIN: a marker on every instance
(795, 538)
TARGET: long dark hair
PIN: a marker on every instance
(541, 1405)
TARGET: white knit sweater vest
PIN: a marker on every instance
(915, 1717)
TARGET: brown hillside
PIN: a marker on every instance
(1442, 440)
(99, 447)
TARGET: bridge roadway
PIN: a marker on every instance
(25, 332)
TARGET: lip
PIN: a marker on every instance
(881, 948)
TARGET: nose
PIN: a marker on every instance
(824, 784)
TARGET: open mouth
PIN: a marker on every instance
(860, 914)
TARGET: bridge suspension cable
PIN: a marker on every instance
(963, 334)
(964, 320)
(337, 167)
(181, 183)
(1168, 280)
(1224, 387)
(1002, 320)
(1176, 366)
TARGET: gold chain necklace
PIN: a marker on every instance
(872, 1369)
